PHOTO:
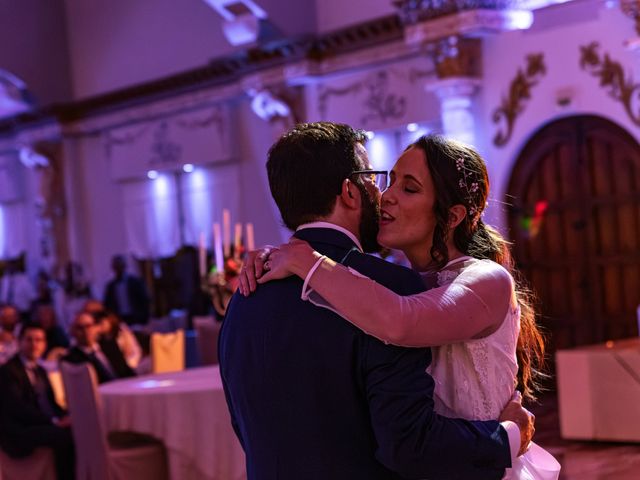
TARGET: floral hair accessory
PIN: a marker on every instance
(470, 188)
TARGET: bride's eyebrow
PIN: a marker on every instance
(408, 176)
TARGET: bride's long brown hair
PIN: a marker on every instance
(460, 178)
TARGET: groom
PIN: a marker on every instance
(312, 397)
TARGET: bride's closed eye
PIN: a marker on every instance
(411, 188)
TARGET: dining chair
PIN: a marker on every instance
(37, 466)
(208, 331)
(100, 456)
(167, 352)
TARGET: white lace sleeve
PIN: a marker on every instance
(471, 306)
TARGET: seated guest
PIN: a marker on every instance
(9, 318)
(93, 306)
(113, 328)
(45, 316)
(102, 353)
(29, 414)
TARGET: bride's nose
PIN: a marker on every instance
(388, 197)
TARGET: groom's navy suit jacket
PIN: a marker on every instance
(312, 397)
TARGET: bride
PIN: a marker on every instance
(477, 319)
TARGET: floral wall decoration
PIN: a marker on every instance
(163, 149)
(519, 92)
(378, 103)
(165, 143)
(612, 77)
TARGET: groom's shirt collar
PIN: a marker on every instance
(332, 226)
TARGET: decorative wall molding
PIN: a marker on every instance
(167, 143)
(414, 11)
(621, 87)
(192, 102)
(379, 103)
(475, 23)
(631, 8)
(519, 92)
(228, 70)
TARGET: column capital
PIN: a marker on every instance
(456, 106)
(454, 87)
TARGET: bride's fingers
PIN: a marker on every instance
(261, 258)
(243, 286)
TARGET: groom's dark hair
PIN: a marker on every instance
(306, 168)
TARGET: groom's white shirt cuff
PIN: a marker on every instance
(513, 431)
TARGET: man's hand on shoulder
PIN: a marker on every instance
(523, 418)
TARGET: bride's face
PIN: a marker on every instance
(408, 220)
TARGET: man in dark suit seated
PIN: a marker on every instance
(103, 354)
(126, 294)
(312, 397)
(29, 415)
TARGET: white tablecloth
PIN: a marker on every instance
(188, 412)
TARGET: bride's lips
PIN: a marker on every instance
(385, 217)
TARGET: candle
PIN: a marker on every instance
(251, 245)
(217, 247)
(237, 240)
(226, 232)
(202, 256)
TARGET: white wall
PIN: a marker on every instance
(125, 42)
(33, 46)
(558, 32)
(120, 43)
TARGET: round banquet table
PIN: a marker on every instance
(188, 412)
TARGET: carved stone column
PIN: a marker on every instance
(456, 106)
(41, 152)
(457, 61)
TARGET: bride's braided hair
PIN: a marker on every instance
(460, 178)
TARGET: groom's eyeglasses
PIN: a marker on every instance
(380, 178)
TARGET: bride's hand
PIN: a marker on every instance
(253, 268)
(288, 259)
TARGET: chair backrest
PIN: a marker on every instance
(37, 466)
(208, 331)
(167, 352)
(92, 457)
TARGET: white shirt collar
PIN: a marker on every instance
(29, 364)
(95, 348)
(332, 226)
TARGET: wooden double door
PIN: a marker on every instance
(575, 223)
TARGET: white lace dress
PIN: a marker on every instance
(475, 379)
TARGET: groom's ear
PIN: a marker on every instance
(349, 194)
